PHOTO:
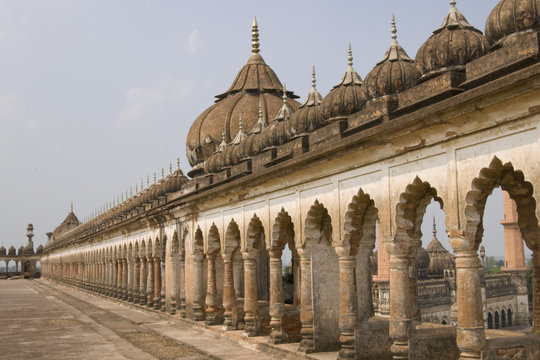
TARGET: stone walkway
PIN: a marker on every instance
(41, 319)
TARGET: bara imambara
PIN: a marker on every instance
(331, 180)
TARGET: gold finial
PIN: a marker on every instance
(349, 57)
(255, 37)
(313, 79)
(71, 206)
(177, 163)
(394, 28)
(453, 3)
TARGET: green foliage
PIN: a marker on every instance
(493, 270)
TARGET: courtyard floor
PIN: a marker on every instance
(41, 319)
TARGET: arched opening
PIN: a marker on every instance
(319, 309)
(285, 317)
(509, 315)
(501, 192)
(233, 285)
(444, 322)
(256, 280)
(174, 288)
(215, 278)
(410, 213)
(38, 269)
(503, 318)
(3, 268)
(490, 321)
(497, 320)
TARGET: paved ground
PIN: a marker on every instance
(40, 319)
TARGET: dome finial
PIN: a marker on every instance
(177, 163)
(313, 79)
(350, 57)
(453, 3)
(71, 206)
(394, 28)
(241, 123)
(260, 111)
(284, 94)
(434, 227)
(255, 37)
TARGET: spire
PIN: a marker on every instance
(285, 112)
(350, 77)
(260, 124)
(177, 163)
(240, 136)
(395, 52)
(255, 37)
(223, 144)
(454, 19)
(313, 98)
(71, 206)
(434, 228)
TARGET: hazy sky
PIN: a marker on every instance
(95, 95)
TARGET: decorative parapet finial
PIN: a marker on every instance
(394, 29)
(177, 163)
(162, 173)
(170, 168)
(434, 227)
(313, 78)
(155, 178)
(350, 58)
(71, 206)
(260, 124)
(313, 98)
(453, 3)
(241, 135)
(223, 144)
(255, 37)
(285, 112)
(142, 185)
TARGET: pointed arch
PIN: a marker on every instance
(213, 240)
(282, 232)
(232, 239)
(318, 225)
(360, 223)
(198, 243)
(521, 191)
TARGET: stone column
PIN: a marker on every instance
(400, 320)
(172, 288)
(251, 300)
(157, 283)
(143, 280)
(198, 294)
(307, 344)
(130, 280)
(211, 291)
(115, 278)
(136, 280)
(124, 279)
(348, 305)
(536, 292)
(470, 330)
(111, 278)
(182, 305)
(150, 281)
(229, 295)
(277, 307)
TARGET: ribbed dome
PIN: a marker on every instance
(39, 249)
(440, 259)
(512, 16)
(2, 250)
(12, 251)
(451, 46)
(347, 97)
(394, 73)
(255, 83)
(422, 259)
(308, 117)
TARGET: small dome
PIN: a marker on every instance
(422, 259)
(255, 83)
(451, 46)
(12, 251)
(39, 249)
(308, 117)
(439, 258)
(347, 97)
(20, 251)
(512, 16)
(394, 73)
(69, 223)
(2, 250)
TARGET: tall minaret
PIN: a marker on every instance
(514, 254)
